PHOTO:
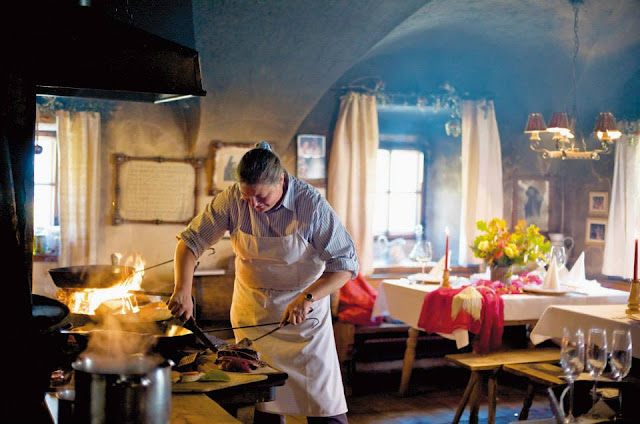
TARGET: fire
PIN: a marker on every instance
(118, 297)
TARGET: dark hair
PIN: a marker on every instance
(259, 166)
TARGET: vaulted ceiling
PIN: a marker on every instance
(266, 64)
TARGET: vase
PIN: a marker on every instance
(500, 273)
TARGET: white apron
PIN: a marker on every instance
(270, 273)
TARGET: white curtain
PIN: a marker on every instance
(624, 212)
(79, 186)
(352, 171)
(481, 172)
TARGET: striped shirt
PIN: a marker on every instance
(316, 222)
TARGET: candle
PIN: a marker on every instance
(446, 249)
(635, 262)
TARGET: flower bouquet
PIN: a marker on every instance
(501, 248)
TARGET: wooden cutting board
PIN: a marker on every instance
(235, 379)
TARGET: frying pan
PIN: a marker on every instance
(93, 276)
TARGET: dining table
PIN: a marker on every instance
(609, 317)
(401, 299)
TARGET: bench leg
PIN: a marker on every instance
(473, 381)
(474, 401)
(492, 387)
(407, 362)
(528, 401)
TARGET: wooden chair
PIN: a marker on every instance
(487, 366)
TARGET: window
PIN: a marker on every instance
(45, 208)
(400, 174)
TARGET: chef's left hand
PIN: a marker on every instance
(296, 312)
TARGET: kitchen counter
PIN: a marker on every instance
(194, 408)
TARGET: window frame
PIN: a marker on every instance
(390, 141)
(51, 131)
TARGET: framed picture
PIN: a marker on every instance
(598, 202)
(596, 229)
(311, 163)
(531, 201)
(225, 158)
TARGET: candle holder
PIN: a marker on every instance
(445, 278)
(633, 305)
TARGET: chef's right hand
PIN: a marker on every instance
(181, 305)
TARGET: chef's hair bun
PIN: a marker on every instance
(263, 145)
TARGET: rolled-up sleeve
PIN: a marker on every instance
(332, 241)
(209, 226)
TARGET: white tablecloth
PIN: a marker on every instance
(402, 300)
(609, 317)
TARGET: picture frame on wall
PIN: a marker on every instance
(598, 202)
(225, 157)
(595, 231)
(312, 153)
(532, 201)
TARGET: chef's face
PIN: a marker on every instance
(262, 197)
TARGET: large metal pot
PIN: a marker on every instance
(134, 390)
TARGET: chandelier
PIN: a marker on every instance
(563, 129)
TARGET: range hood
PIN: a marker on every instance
(93, 55)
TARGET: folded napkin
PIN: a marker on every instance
(575, 278)
(552, 279)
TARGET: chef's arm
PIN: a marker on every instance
(328, 283)
(181, 302)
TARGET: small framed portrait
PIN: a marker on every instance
(224, 161)
(598, 202)
(311, 163)
(596, 230)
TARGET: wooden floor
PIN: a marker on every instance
(433, 396)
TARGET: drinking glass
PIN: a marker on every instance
(572, 362)
(559, 255)
(620, 360)
(596, 357)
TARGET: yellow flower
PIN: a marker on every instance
(483, 246)
(511, 250)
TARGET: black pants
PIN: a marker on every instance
(265, 418)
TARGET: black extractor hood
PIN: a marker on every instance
(96, 56)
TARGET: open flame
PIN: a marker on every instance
(119, 298)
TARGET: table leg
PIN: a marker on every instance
(407, 362)
(473, 380)
(528, 401)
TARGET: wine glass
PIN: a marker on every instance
(572, 362)
(559, 255)
(620, 360)
(596, 358)
(422, 253)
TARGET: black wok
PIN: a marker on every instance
(93, 276)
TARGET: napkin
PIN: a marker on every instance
(438, 269)
(552, 279)
(575, 278)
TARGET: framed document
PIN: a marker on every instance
(155, 190)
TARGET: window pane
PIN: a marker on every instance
(44, 163)
(403, 212)
(406, 170)
(382, 171)
(381, 215)
(43, 207)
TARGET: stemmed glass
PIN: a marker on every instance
(596, 358)
(572, 362)
(559, 255)
(620, 360)
(422, 253)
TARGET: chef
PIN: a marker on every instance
(291, 253)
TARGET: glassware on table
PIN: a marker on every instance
(421, 252)
(620, 360)
(559, 255)
(572, 362)
(596, 357)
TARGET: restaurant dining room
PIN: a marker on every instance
(320, 211)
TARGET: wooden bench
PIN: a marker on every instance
(487, 366)
(537, 374)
